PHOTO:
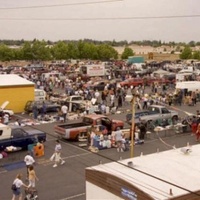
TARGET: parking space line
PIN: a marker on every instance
(4, 171)
(72, 197)
(47, 162)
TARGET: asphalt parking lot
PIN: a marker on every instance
(68, 181)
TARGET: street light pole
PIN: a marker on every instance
(133, 125)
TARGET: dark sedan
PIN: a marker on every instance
(50, 106)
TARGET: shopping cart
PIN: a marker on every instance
(31, 194)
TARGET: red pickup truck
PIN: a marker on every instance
(74, 130)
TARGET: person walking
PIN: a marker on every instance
(29, 160)
(118, 139)
(57, 154)
(64, 110)
(32, 177)
(17, 183)
(35, 111)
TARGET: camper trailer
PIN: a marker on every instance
(189, 85)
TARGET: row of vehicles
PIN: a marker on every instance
(145, 81)
(23, 136)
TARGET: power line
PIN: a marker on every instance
(101, 19)
(59, 5)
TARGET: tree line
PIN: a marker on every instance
(153, 43)
(82, 49)
(41, 50)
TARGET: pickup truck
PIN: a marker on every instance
(18, 136)
(74, 131)
(155, 112)
(75, 103)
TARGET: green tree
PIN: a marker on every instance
(73, 52)
(27, 51)
(6, 53)
(40, 50)
(106, 52)
(18, 54)
(60, 51)
(192, 44)
(186, 53)
(87, 50)
(196, 55)
(127, 52)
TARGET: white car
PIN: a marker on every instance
(3, 110)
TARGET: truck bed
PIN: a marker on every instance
(68, 126)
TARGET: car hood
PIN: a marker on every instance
(34, 132)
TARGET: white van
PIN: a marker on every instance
(40, 95)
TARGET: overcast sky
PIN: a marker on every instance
(164, 29)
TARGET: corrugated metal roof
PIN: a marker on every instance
(13, 80)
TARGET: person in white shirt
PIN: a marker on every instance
(18, 183)
(57, 154)
(118, 139)
(64, 110)
(29, 160)
(97, 95)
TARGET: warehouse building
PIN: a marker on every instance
(16, 90)
(169, 175)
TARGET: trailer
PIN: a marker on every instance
(168, 175)
(188, 85)
(93, 70)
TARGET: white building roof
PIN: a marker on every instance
(172, 166)
(13, 80)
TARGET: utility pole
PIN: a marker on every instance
(133, 124)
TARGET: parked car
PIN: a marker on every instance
(50, 106)
(132, 82)
(100, 85)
